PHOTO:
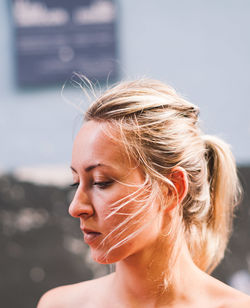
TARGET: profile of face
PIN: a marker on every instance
(110, 200)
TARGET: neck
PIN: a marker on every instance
(143, 277)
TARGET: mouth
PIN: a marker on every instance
(90, 235)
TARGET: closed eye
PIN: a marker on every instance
(103, 185)
(74, 185)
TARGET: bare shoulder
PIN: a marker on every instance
(75, 295)
(245, 303)
(238, 299)
(229, 297)
(63, 296)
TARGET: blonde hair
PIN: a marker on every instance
(160, 130)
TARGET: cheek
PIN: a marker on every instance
(122, 211)
(107, 201)
(126, 220)
(121, 233)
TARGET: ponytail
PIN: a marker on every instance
(225, 193)
(162, 130)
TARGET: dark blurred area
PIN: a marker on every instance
(235, 267)
(42, 246)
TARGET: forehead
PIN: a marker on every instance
(93, 145)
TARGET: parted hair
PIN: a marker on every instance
(161, 131)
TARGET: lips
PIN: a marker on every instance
(90, 235)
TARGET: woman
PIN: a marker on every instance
(155, 196)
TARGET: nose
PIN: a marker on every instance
(81, 205)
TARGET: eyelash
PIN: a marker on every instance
(74, 185)
(101, 185)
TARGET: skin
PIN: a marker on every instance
(141, 260)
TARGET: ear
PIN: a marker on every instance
(176, 194)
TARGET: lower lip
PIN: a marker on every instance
(90, 237)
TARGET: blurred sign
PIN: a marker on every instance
(55, 38)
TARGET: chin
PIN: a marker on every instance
(104, 259)
(109, 258)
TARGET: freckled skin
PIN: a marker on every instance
(141, 260)
(92, 204)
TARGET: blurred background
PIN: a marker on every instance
(199, 47)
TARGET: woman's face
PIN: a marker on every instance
(104, 177)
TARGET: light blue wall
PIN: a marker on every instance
(200, 47)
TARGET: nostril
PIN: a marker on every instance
(85, 215)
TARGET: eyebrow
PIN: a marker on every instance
(89, 168)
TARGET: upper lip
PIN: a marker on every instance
(86, 230)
